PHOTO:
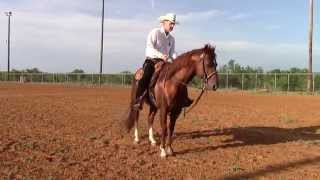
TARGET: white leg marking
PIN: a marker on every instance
(136, 135)
(151, 138)
(163, 153)
(169, 151)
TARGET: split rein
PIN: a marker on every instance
(205, 80)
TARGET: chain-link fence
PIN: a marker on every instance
(236, 81)
(72, 78)
(268, 81)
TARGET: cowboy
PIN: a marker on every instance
(160, 47)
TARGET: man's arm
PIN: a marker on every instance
(151, 43)
(172, 52)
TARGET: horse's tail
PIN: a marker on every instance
(132, 113)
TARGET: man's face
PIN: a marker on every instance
(168, 26)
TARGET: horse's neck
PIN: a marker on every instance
(184, 73)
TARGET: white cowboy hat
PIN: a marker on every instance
(169, 17)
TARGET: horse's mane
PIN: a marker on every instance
(184, 60)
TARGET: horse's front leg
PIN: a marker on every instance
(163, 123)
(152, 113)
(136, 133)
(173, 118)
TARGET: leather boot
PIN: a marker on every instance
(187, 102)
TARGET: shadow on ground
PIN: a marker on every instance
(274, 169)
(244, 136)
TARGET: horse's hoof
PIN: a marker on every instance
(170, 152)
(153, 143)
(163, 153)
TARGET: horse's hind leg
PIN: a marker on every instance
(173, 117)
(152, 113)
(136, 133)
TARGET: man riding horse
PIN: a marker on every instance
(160, 49)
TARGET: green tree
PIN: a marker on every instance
(33, 70)
(126, 72)
(78, 71)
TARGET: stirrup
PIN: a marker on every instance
(137, 106)
(187, 102)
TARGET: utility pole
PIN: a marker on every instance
(310, 88)
(9, 14)
(101, 50)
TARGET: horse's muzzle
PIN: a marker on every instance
(214, 88)
(212, 82)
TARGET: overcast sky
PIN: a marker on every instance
(60, 35)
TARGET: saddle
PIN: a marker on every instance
(139, 73)
(150, 90)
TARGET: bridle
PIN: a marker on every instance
(205, 80)
(206, 77)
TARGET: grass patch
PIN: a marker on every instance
(236, 126)
(317, 131)
(235, 168)
(285, 118)
(313, 142)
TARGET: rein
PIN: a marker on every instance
(203, 89)
(205, 79)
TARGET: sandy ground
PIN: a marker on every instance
(60, 132)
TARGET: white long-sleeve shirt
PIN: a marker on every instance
(158, 44)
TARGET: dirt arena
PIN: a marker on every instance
(60, 132)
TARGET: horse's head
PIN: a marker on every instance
(207, 67)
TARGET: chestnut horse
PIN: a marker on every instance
(170, 91)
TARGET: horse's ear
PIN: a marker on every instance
(207, 46)
(210, 47)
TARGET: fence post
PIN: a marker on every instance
(123, 84)
(242, 81)
(121, 79)
(42, 77)
(288, 82)
(313, 89)
(256, 81)
(275, 81)
(227, 80)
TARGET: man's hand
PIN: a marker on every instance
(165, 57)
